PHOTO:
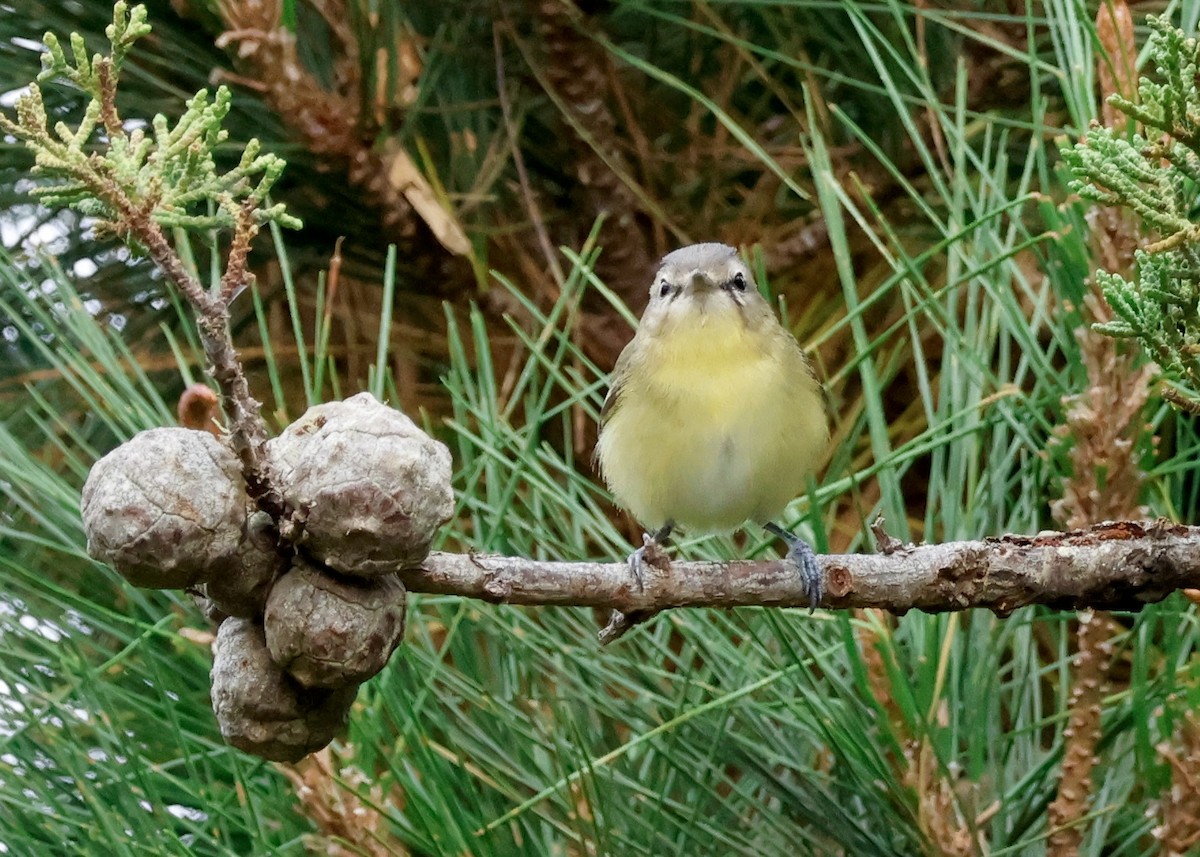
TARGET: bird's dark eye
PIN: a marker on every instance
(664, 289)
(739, 281)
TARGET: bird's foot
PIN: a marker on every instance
(637, 562)
(802, 557)
(650, 553)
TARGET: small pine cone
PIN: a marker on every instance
(330, 631)
(260, 708)
(165, 507)
(369, 487)
(239, 586)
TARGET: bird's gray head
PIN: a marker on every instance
(705, 273)
(699, 256)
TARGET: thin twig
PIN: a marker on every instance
(1175, 397)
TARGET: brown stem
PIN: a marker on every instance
(108, 100)
(237, 275)
(151, 236)
(247, 430)
(1179, 400)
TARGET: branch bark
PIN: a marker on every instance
(1111, 566)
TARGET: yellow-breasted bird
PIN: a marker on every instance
(714, 416)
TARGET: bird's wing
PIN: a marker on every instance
(613, 398)
(815, 373)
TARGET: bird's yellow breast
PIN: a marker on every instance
(718, 422)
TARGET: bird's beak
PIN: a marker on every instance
(701, 282)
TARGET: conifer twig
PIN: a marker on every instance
(1151, 167)
(136, 186)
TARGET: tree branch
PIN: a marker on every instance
(1111, 566)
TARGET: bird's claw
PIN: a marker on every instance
(802, 557)
(637, 561)
(650, 553)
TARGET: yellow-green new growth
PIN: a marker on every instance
(127, 27)
(126, 177)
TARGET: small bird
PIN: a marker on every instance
(714, 416)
